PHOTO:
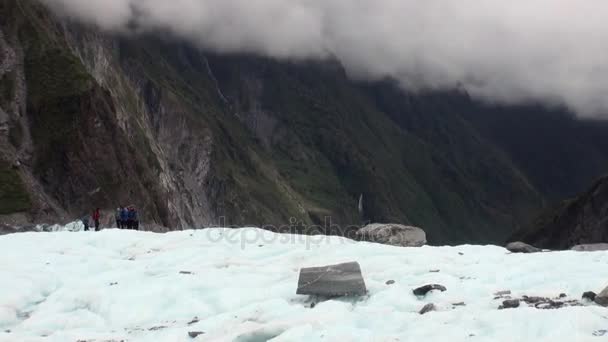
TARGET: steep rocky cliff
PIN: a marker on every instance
(194, 139)
(580, 220)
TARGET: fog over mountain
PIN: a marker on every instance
(550, 51)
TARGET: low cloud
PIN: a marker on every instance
(551, 51)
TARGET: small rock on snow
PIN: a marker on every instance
(195, 334)
(510, 304)
(427, 308)
(520, 247)
(422, 291)
(503, 293)
(599, 333)
(390, 282)
(589, 295)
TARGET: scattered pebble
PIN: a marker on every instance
(160, 327)
(390, 282)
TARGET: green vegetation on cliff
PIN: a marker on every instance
(13, 195)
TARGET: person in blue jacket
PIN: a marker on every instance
(133, 220)
(124, 218)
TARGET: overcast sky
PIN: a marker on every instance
(553, 51)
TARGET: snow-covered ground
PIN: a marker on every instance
(240, 284)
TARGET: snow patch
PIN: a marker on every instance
(239, 285)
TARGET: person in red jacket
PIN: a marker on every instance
(96, 215)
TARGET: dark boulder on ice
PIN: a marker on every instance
(195, 334)
(589, 295)
(602, 297)
(422, 291)
(427, 308)
(392, 234)
(510, 304)
(332, 281)
(520, 247)
(595, 247)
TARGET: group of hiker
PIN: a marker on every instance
(126, 218)
(95, 217)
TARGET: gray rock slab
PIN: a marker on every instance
(332, 281)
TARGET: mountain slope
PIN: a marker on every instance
(196, 139)
(580, 220)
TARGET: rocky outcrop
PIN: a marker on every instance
(393, 234)
(580, 223)
(195, 138)
(520, 247)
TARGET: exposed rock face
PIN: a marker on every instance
(393, 234)
(89, 119)
(520, 247)
(580, 223)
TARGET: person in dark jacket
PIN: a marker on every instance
(135, 218)
(131, 218)
(117, 217)
(85, 222)
(124, 218)
(96, 216)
